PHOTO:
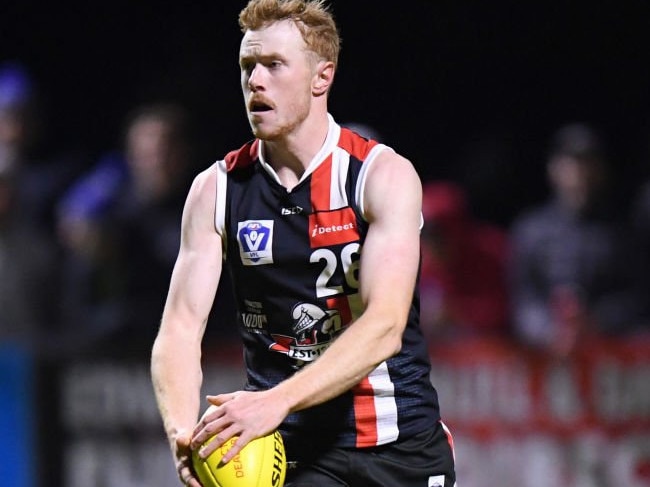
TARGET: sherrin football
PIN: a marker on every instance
(261, 463)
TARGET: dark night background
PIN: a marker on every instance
(467, 90)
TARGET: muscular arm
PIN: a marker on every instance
(389, 263)
(176, 354)
(388, 270)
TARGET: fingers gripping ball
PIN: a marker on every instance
(261, 463)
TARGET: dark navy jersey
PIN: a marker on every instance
(294, 260)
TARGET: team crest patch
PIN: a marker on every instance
(314, 330)
(255, 238)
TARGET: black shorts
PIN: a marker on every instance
(423, 460)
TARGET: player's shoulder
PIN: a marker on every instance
(393, 168)
(355, 144)
(205, 177)
(392, 186)
(243, 156)
(203, 189)
(389, 156)
(368, 149)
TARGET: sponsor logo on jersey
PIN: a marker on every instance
(293, 210)
(254, 322)
(332, 227)
(255, 239)
(314, 329)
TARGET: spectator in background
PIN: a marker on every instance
(38, 178)
(463, 284)
(31, 180)
(119, 226)
(28, 273)
(17, 117)
(575, 265)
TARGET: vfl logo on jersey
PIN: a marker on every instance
(332, 227)
(314, 329)
(255, 239)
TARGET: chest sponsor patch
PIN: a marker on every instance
(255, 238)
(332, 227)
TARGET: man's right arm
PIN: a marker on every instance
(176, 355)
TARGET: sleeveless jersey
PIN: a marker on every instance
(294, 257)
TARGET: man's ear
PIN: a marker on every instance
(323, 78)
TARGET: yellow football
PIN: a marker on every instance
(261, 463)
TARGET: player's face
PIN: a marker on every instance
(276, 76)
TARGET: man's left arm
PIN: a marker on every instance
(387, 276)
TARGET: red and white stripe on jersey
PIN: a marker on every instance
(349, 306)
(375, 408)
(328, 192)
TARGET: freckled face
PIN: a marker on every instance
(276, 78)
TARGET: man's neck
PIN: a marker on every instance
(290, 156)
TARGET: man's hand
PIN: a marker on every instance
(184, 461)
(247, 415)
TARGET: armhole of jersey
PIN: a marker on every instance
(220, 200)
(363, 175)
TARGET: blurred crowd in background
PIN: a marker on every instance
(570, 268)
(87, 245)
